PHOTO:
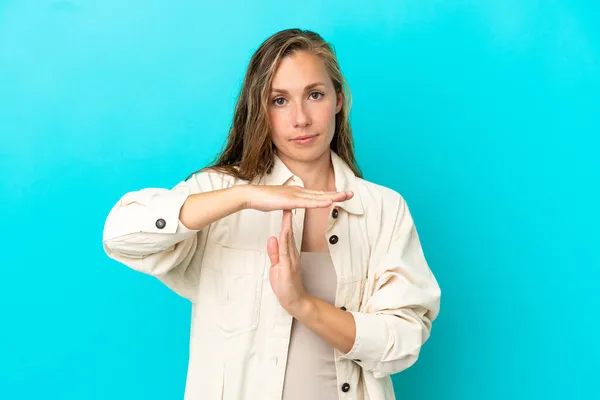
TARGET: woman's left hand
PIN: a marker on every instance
(285, 273)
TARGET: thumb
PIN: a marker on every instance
(273, 250)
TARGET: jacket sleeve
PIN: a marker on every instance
(403, 301)
(143, 232)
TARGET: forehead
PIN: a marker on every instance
(300, 69)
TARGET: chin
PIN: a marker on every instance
(308, 154)
(305, 153)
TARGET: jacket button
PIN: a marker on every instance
(343, 308)
(335, 213)
(160, 223)
(333, 239)
(345, 387)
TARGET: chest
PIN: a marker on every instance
(316, 224)
(343, 235)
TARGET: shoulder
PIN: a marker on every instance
(386, 210)
(213, 179)
(376, 197)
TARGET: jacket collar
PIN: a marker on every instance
(345, 180)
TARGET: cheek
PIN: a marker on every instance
(325, 114)
(276, 118)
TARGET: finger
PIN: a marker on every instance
(290, 236)
(308, 203)
(292, 247)
(273, 250)
(286, 228)
(319, 194)
(304, 190)
(312, 191)
(335, 196)
(346, 195)
(287, 219)
(342, 196)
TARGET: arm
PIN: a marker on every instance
(403, 302)
(334, 326)
(386, 336)
(154, 230)
(202, 209)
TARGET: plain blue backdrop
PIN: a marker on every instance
(484, 115)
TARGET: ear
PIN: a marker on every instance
(339, 102)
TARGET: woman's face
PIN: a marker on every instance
(302, 107)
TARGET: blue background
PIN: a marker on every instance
(484, 115)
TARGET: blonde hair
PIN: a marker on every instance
(248, 151)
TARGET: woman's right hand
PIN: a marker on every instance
(276, 197)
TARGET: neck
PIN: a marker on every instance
(316, 175)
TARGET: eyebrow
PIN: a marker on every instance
(311, 86)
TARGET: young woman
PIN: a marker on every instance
(306, 281)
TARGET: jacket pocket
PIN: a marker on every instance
(235, 276)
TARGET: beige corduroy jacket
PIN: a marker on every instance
(240, 333)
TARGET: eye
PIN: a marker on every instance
(316, 95)
(279, 101)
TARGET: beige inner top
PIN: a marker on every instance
(310, 372)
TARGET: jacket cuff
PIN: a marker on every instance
(371, 339)
(163, 216)
(147, 212)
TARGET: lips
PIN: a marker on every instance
(304, 137)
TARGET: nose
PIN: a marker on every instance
(301, 116)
